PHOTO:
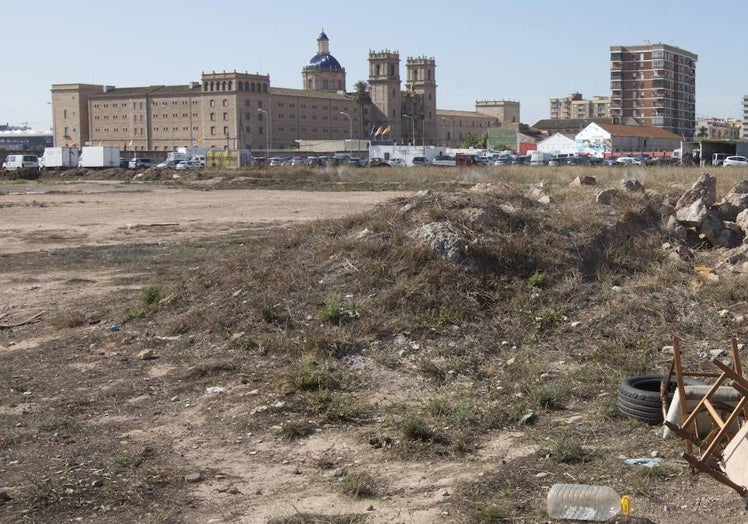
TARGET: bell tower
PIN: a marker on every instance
(384, 82)
(421, 83)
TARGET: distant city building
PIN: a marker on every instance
(718, 128)
(656, 85)
(234, 110)
(745, 115)
(575, 107)
(22, 138)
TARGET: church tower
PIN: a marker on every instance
(384, 87)
(323, 72)
(421, 88)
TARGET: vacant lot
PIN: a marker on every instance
(183, 353)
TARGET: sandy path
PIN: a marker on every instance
(37, 216)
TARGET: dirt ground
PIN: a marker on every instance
(78, 247)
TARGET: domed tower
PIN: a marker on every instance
(323, 73)
(384, 87)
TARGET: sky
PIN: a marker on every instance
(524, 50)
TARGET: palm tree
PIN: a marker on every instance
(703, 132)
(362, 98)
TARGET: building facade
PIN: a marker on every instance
(656, 85)
(718, 128)
(576, 107)
(234, 110)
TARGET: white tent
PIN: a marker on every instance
(558, 144)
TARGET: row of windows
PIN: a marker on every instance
(228, 85)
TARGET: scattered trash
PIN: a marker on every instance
(213, 390)
(646, 462)
(585, 502)
(146, 354)
(528, 418)
(113, 328)
(193, 477)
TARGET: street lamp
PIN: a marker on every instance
(412, 127)
(350, 128)
(267, 131)
(450, 126)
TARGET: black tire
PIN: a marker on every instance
(639, 397)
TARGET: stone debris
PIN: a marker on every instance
(722, 224)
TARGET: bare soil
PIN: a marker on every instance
(92, 429)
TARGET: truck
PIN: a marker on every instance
(538, 158)
(59, 158)
(99, 157)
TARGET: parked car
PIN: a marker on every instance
(611, 160)
(718, 158)
(275, 161)
(378, 162)
(356, 162)
(396, 162)
(296, 161)
(628, 160)
(735, 161)
(186, 165)
(123, 162)
(420, 161)
(444, 160)
(141, 163)
(168, 164)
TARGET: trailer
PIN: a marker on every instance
(59, 158)
(99, 156)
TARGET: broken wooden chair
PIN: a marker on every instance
(711, 419)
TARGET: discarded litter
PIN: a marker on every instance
(113, 328)
(646, 462)
(585, 502)
(215, 390)
(528, 418)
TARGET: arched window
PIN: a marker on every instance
(223, 85)
(241, 86)
(264, 88)
(231, 85)
(253, 87)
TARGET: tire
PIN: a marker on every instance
(639, 397)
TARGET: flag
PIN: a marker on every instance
(386, 131)
(200, 137)
(373, 128)
(101, 143)
(379, 131)
(130, 144)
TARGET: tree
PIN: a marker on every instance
(477, 141)
(703, 132)
(362, 98)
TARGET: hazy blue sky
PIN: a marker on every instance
(516, 50)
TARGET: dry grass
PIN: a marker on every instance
(548, 309)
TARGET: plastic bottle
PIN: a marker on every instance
(585, 502)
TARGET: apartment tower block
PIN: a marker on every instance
(656, 85)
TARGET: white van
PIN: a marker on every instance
(13, 162)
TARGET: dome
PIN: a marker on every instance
(324, 62)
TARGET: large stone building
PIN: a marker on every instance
(656, 85)
(234, 110)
